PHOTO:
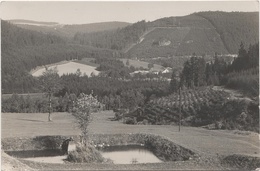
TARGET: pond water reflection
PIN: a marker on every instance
(124, 154)
(129, 154)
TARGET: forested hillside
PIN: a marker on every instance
(234, 27)
(13, 36)
(67, 31)
(23, 50)
(116, 40)
(200, 33)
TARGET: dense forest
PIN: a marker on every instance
(234, 27)
(116, 40)
(242, 74)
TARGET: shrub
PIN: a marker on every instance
(130, 121)
(85, 154)
(241, 161)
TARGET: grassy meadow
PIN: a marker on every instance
(202, 141)
(68, 68)
(210, 145)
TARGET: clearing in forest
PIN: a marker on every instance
(69, 68)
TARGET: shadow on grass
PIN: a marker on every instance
(32, 120)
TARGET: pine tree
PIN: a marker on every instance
(175, 82)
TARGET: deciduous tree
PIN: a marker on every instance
(82, 110)
(50, 84)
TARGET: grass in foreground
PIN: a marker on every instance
(209, 144)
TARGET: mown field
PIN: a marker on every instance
(210, 142)
(68, 68)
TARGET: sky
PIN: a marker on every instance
(83, 12)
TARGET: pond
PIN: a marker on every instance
(124, 154)
(129, 154)
(43, 156)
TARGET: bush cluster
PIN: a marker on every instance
(85, 154)
(232, 114)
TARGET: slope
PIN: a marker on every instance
(234, 27)
(200, 33)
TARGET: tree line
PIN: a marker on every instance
(241, 74)
(112, 92)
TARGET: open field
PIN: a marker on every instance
(68, 68)
(36, 124)
(202, 141)
(210, 145)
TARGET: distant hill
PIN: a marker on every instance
(95, 27)
(200, 33)
(67, 30)
(13, 36)
(30, 22)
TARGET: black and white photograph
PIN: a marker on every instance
(130, 85)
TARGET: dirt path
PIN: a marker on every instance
(141, 38)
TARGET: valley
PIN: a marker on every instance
(182, 88)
